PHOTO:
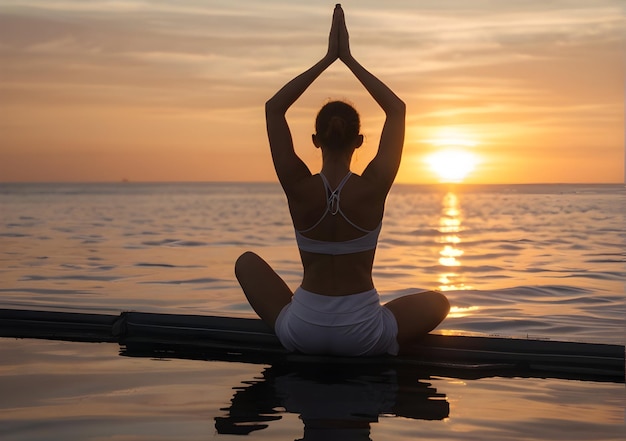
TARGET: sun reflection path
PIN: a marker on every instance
(449, 255)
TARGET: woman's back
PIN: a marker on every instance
(358, 207)
(337, 221)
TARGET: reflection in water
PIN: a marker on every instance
(335, 401)
(450, 228)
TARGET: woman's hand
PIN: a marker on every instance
(333, 38)
(344, 38)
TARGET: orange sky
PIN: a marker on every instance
(174, 90)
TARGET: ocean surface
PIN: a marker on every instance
(540, 261)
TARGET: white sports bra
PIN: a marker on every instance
(366, 242)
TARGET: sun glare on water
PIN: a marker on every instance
(453, 161)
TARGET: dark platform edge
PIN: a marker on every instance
(250, 340)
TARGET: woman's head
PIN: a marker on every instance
(337, 126)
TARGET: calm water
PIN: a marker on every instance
(528, 260)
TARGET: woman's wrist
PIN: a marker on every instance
(328, 59)
(348, 59)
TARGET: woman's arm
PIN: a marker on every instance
(384, 167)
(289, 167)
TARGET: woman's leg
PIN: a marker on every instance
(418, 314)
(265, 290)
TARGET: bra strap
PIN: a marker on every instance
(332, 203)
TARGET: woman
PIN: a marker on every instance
(337, 216)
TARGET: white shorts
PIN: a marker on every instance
(352, 325)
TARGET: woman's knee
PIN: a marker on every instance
(419, 313)
(244, 262)
(440, 302)
(437, 305)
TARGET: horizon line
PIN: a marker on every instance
(130, 182)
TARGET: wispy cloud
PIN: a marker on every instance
(550, 64)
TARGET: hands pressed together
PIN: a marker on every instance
(339, 40)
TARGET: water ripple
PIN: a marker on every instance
(81, 277)
(207, 280)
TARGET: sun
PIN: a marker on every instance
(452, 164)
(453, 161)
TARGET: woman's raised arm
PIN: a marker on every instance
(384, 167)
(289, 167)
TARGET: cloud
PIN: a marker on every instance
(549, 66)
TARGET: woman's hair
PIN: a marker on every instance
(337, 125)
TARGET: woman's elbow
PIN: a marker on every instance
(272, 106)
(400, 107)
(396, 108)
(269, 105)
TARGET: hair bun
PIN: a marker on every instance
(336, 128)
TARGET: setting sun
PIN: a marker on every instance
(452, 161)
(452, 165)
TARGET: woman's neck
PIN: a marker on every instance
(336, 165)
